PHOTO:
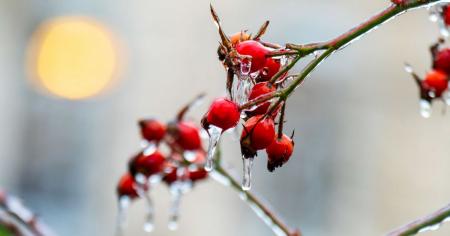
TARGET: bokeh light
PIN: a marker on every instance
(74, 57)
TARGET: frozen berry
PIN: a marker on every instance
(147, 165)
(254, 49)
(127, 186)
(279, 152)
(436, 81)
(152, 130)
(442, 60)
(187, 136)
(271, 67)
(258, 90)
(258, 132)
(223, 113)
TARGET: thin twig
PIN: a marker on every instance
(429, 222)
(274, 222)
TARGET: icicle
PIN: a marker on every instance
(446, 97)
(434, 13)
(142, 192)
(176, 193)
(247, 166)
(241, 89)
(124, 204)
(214, 137)
(425, 108)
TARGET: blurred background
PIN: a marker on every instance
(365, 161)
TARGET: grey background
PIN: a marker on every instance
(365, 161)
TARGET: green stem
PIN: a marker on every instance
(353, 34)
(430, 221)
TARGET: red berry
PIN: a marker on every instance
(258, 90)
(446, 15)
(279, 152)
(199, 174)
(271, 67)
(258, 132)
(152, 130)
(223, 113)
(127, 186)
(171, 176)
(436, 81)
(188, 136)
(442, 60)
(147, 165)
(254, 49)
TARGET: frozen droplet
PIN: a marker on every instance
(434, 13)
(425, 108)
(446, 97)
(241, 89)
(247, 178)
(190, 156)
(123, 205)
(430, 228)
(150, 148)
(245, 66)
(408, 68)
(214, 137)
(155, 179)
(432, 94)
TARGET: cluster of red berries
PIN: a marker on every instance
(254, 75)
(435, 85)
(172, 153)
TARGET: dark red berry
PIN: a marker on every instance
(198, 174)
(127, 186)
(446, 15)
(436, 81)
(223, 113)
(258, 132)
(271, 67)
(147, 165)
(152, 130)
(254, 49)
(171, 176)
(188, 136)
(442, 60)
(258, 90)
(279, 152)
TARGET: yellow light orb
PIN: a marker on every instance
(74, 57)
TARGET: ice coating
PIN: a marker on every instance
(247, 178)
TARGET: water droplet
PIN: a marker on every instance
(214, 137)
(190, 156)
(124, 204)
(430, 228)
(425, 108)
(247, 178)
(150, 148)
(245, 66)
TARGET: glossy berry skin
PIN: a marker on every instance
(446, 15)
(271, 67)
(436, 81)
(127, 186)
(193, 175)
(254, 49)
(258, 132)
(147, 165)
(258, 90)
(152, 130)
(188, 136)
(239, 37)
(223, 113)
(442, 60)
(279, 152)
